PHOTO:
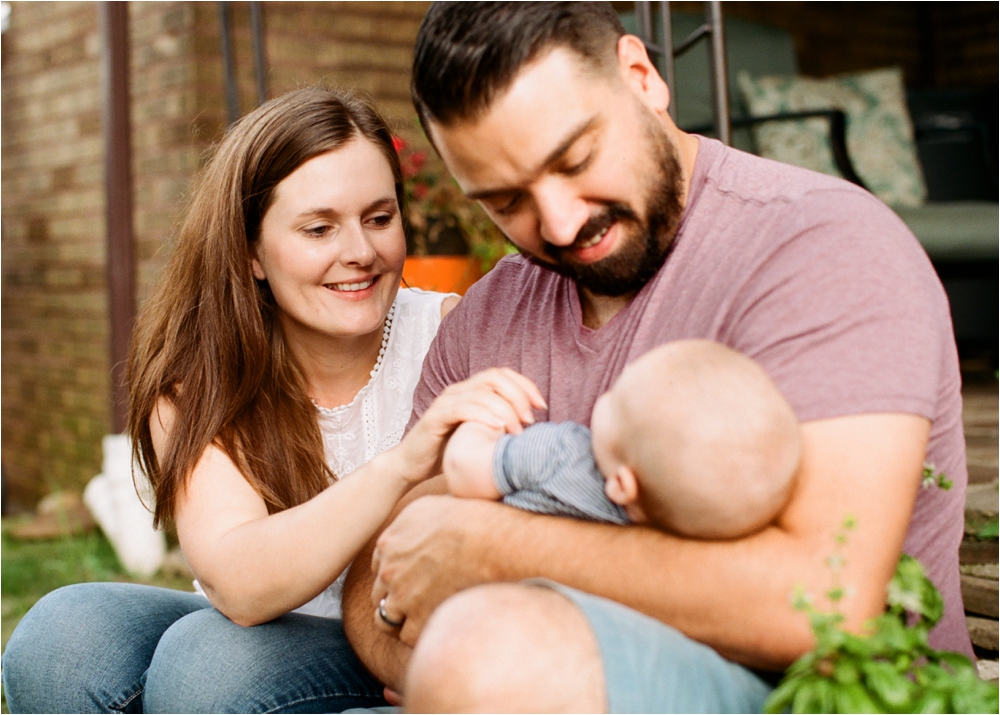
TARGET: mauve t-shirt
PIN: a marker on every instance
(812, 277)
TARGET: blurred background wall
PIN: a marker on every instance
(55, 356)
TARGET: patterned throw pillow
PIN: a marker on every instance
(879, 131)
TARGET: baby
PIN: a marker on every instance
(693, 438)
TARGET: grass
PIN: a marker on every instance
(31, 569)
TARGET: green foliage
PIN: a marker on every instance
(987, 530)
(436, 205)
(890, 670)
(934, 478)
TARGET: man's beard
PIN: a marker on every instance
(645, 242)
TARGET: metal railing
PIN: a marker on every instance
(711, 29)
(228, 63)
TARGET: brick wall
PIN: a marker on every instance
(938, 44)
(54, 332)
(54, 336)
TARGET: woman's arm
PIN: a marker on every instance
(255, 566)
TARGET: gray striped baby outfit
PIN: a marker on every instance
(549, 469)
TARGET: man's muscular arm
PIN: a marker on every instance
(733, 595)
(381, 652)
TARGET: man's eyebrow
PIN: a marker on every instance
(552, 157)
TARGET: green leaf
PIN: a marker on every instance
(781, 697)
(854, 699)
(931, 701)
(958, 663)
(989, 530)
(892, 688)
(806, 699)
(975, 696)
(826, 697)
(846, 672)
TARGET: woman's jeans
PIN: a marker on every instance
(117, 647)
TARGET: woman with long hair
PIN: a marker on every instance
(271, 375)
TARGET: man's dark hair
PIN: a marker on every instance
(469, 52)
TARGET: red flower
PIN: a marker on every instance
(398, 143)
(420, 191)
(417, 160)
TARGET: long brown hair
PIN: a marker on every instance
(208, 339)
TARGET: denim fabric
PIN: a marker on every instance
(650, 667)
(113, 647)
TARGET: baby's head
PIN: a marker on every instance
(696, 438)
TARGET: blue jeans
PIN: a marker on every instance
(116, 647)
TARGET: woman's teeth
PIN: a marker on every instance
(595, 239)
(351, 287)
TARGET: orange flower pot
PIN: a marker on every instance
(447, 274)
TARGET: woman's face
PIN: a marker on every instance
(331, 245)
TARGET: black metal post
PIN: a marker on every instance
(720, 85)
(668, 57)
(259, 60)
(713, 29)
(232, 97)
(118, 198)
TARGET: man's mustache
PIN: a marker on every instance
(597, 223)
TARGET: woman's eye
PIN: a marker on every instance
(381, 220)
(316, 231)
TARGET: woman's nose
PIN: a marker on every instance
(355, 246)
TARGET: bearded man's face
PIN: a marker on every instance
(575, 170)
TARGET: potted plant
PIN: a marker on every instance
(451, 242)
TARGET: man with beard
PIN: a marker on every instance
(634, 234)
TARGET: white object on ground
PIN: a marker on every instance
(988, 669)
(112, 499)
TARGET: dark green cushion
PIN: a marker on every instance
(956, 230)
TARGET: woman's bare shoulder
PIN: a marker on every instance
(448, 304)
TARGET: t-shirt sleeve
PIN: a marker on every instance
(549, 469)
(846, 315)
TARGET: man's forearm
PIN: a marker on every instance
(731, 595)
(734, 595)
(383, 654)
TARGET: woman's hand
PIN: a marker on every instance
(498, 397)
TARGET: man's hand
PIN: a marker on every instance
(468, 461)
(427, 555)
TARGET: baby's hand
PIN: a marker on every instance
(468, 461)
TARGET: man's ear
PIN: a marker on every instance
(641, 75)
(258, 270)
(622, 487)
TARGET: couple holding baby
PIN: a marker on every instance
(759, 351)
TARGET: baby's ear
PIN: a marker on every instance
(622, 487)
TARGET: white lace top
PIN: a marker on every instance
(375, 419)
